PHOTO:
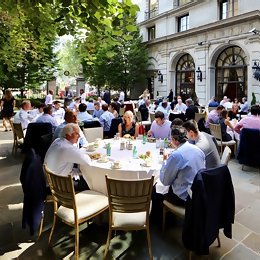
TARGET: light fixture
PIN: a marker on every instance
(160, 76)
(256, 70)
(199, 74)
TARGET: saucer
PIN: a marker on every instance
(116, 167)
(103, 161)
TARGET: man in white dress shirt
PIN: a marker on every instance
(63, 154)
(49, 98)
(22, 116)
(58, 112)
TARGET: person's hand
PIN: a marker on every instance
(149, 133)
(165, 155)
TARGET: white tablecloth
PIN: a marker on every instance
(94, 174)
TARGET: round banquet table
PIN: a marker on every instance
(131, 168)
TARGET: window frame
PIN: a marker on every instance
(180, 23)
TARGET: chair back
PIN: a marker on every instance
(226, 156)
(121, 111)
(92, 134)
(198, 116)
(215, 130)
(62, 189)
(114, 126)
(129, 196)
(91, 124)
(248, 150)
(18, 130)
(152, 117)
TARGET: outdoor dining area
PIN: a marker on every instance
(122, 173)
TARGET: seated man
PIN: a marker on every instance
(244, 107)
(163, 107)
(58, 112)
(191, 109)
(22, 116)
(252, 121)
(106, 118)
(70, 117)
(144, 109)
(205, 142)
(160, 128)
(83, 115)
(213, 116)
(180, 107)
(35, 113)
(97, 111)
(181, 166)
(62, 155)
(47, 117)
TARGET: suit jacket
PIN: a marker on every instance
(34, 188)
(212, 207)
(190, 112)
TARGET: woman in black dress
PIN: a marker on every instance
(224, 123)
(7, 107)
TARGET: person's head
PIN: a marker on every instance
(188, 102)
(99, 99)
(179, 135)
(128, 117)
(147, 102)
(177, 122)
(112, 107)
(223, 114)
(47, 110)
(41, 107)
(56, 104)
(235, 100)
(255, 110)
(91, 100)
(26, 105)
(164, 104)
(51, 92)
(104, 107)
(97, 106)
(192, 129)
(67, 88)
(81, 91)
(179, 101)
(70, 116)
(71, 133)
(77, 100)
(159, 117)
(82, 107)
(219, 108)
(225, 99)
(244, 99)
(235, 107)
(8, 94)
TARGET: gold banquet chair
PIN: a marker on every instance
(215, 130)
(18, 136)
(73, 209)
(129, 207)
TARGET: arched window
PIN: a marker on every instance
(231, 74)
(185, 77)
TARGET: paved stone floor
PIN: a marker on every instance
(16, 243)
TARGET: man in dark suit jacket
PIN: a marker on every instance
(191, 109)
(144, 110)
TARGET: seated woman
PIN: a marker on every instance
(224, 123)
(128, 127)
(113, 109)
(232, 114)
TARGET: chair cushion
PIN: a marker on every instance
(177, 210)
(128, 219)
(88, 203)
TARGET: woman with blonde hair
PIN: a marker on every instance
(128, 127)
(7, 107)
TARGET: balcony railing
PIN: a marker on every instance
(151, 13)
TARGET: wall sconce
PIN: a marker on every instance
(256, 71)
(160, 76)
(199, 74)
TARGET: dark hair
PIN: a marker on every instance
(164, 104)
(113, 105)
(177, 121)
(82, 107)
(191, 125)
(255, 110)
(179, 134)
(104, 107)
(42, 105)
(220, 107)
(47, 110)
(97, 104)
(223, 113)
(159, 114)
(70, 116)
(56, 102)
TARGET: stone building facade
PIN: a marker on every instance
(203, 47)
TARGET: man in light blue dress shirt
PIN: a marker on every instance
(106, 118)
(83, 115)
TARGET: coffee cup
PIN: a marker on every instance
(91, 147)
(148, 162)
(117, 164)
(103, 158)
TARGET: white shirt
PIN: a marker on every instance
(62, 155)
(58, 114)
(22, 117)
(48, 99)
(85, 116)
(122, 96)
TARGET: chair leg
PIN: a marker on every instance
(52, 229)
(189, 255)
(41, 225)
(108, 242)
(149, 243)
(164, 216)
(76, 241)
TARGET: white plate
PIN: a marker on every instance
(103, 161)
